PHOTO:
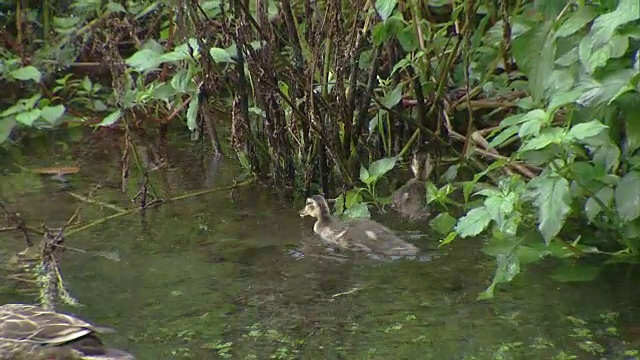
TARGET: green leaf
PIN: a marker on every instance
(364, 174)
(393, 97)
(627, 196)
(473, 223)
(443, 223)
(562, 98)
(534, 52)
(408, 39)
(115, 7)
(499, 207)
(385, 8)
(220, 55)
(632, 127)
(192, 112)
(577, 21)
(529, 255)
(6, 125)
(569, 58)
(586, 130)
(505, 135)
(592, 207)
(144, 59)
(27, 73)
(573, 272)
(552, 198)
(380, 34)
(547, 137)
(380, 167)
(181, 80)
(28, 117)
(358, 211)
(52, 113)
(508, 266)
(111, 118)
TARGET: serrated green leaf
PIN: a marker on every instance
(27, 73)
(627, 195)
(547, 137)
(111, 118)
(473, 223)
(534, 52)
(192, 112)
(499, 207)
(563, 98)
(52, 113)
(552, 198)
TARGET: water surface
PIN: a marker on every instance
(220, 276)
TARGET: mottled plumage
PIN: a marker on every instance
(31, 332)
(354, 234)
(409, 198)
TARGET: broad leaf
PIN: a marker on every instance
(577, 21)
(385, 8)
(52, 113)
(547, 137)
(474, 222)
(27, 73)
(364, 174)
(220, 55)
(508, 266)
(393, 97)
(627, 196)
(551, 194)
(144, 59)
(443, 223)
(28, 117)
(534, 52)
(586, 130)
(572, 272)
(382, 166)
(592, 207)
(359, 210)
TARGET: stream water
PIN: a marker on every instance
(243, 277)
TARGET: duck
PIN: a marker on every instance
(364, 235)
(408, 200)
(32, 332)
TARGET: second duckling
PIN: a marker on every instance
(409, 198)
(355, 234)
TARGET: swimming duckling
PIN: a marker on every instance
(409, 198)
(355, 234)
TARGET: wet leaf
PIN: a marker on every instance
(474, 222)
(574, 272)
(627, 196)
(27, 73)
(443, 223)
(508, 266)
(586, 130)
(52, 113)
(448, 239)
(529, 255)
(111, 118)
(380, 167)
(28, 117)
(6, 125)
(551, 194)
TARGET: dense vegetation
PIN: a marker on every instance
(532, 107)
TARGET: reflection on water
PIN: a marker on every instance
(244, 277)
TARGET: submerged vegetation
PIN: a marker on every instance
(530, 109)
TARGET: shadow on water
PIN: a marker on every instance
(212, 277)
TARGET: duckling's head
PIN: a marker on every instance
(316, 206)
(421, 166)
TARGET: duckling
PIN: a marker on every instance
(409, 198)
(355, 234)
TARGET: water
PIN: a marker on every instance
(207, 278)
